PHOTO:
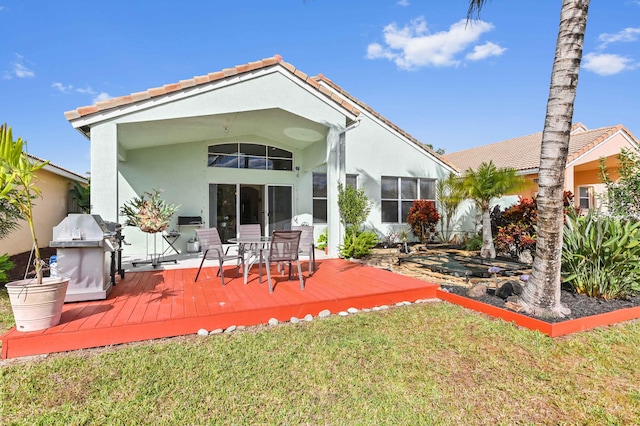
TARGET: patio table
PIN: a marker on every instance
(253, 246)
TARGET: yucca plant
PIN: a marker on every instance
(601, 255)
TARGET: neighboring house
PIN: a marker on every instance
(586, 148)
(257, 143)
(55, 183)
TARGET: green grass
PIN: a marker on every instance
(423, 364)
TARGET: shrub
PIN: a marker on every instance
(474, 243)
(422, 218)
(5, 266)
(601, 256)
(358, 247)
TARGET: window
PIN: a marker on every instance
(585, 197)
(249, 156)
(397, 195)
(352, 181)
(319, 198)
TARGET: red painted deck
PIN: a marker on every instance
(166, 303)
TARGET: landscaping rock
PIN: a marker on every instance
(383, 307)
(526, 257)
(273, 321)
(324, 314)
(216, 331)
(510, 288)
(514, 306)
(294, 320)
(477, 290)
(230, 329)
(203, 332)
(308, 318)
(343, 313)
(352, 310)
(376, 308)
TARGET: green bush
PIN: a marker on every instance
(474, 243)
(5, 266)
(601, 256)
(358, 247)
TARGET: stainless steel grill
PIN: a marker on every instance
(87, 248)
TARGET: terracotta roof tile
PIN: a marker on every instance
(187, 83)
(523, 153)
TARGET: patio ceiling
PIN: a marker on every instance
(273, 124)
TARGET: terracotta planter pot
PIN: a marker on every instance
(37, 306)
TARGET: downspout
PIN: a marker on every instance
(336, 233)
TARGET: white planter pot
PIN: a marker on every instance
(37, 306)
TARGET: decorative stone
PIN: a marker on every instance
(273, 321)
(526, 257)
(241, 327)
(217, 331)
(353, 310)
(400, 304)
(383, 307)
(406, 303)
(308, 318)
(324, 313)
(376, 308)
(230, 329)
(294, 320)
(366, 310)
(477, 290)
(203, 332)
(514, 306)
(343, 313)
(510, 288)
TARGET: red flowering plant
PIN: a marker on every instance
(422, 218)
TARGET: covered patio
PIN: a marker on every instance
(154, 304)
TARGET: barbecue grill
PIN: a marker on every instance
(87, 250)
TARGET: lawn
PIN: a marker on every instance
(431, 363)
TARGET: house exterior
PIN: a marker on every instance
(55, 182)
(260, 143)
(586, 148)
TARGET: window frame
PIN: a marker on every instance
(244, 159)
(401, 219)
(319, 198)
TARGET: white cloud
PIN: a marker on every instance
(61, 87)
(607, 64)
(87, 91)
(18, 69)
(484, 51)
(413, 46)
(625, 36)
(405, 3)
(102, 96)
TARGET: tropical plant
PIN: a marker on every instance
(482, 186)
(623, 196)
(150, 214)
(541, 295)
(82, 195)
(514, 228)
(5, 266)
(449, 198)
(323, 239)
(422, 218)
(354, 207)
(17, 184)
(601, 255)
(9, 218)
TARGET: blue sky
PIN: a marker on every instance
(412, 61)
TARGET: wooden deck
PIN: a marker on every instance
(166, 303)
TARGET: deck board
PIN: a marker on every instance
(166, 303)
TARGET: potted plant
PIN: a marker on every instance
(36, 302)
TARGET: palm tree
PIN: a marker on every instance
(541, 295)
(483, 185)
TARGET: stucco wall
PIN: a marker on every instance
(48, 212)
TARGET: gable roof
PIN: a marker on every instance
(523, 153)
(364, 107)
(60, 171)
(329, 89)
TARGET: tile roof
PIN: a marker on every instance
(204, 79)
(523, 153)
(335, 93)
(365, 107)
(54, 168)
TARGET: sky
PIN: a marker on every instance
(448, 84)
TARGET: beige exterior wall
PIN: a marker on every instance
(48, 212)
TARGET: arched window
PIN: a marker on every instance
(249, 156)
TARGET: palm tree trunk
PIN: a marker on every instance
(488, 249)
(541, 295)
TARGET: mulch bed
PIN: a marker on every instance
(21, 261)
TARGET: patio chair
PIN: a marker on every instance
(212, 249)
(307, 246)
(283, 249)
(252, 230)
